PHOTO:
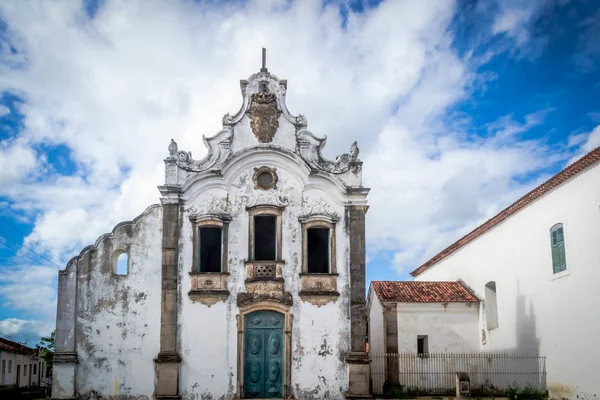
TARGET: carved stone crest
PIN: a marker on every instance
(264, 116)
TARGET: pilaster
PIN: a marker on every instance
(358, 359)
(168, 359)
(65, 356)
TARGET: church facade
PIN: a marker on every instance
(246, 281)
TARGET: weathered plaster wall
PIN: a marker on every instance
(320, 335)
(118, 316)
(538, 310)
(376, 328)
(450, 328)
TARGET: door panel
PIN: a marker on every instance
(263, 355)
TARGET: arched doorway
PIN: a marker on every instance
(264, 352)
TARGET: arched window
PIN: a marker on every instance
(491, 305)
(120, 262)
(557, 241)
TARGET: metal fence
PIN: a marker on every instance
(436, 373)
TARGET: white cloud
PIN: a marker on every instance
(514, 23)
(29, 287)
(587, 142)
(17, 160)
(25, 330)
(115, 89)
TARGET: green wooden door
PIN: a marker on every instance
(263, 355)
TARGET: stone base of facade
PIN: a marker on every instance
(64, 372)
(358, 376)
(167, 376)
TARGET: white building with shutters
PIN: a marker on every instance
(536, 265)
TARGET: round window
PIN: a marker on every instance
(265, 178)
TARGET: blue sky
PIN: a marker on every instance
(459, 108)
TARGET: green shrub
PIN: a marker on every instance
(527, 393)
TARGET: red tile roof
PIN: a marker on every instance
(572, 170)
(14, 347)
(422, 292)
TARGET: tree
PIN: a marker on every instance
(46, 347)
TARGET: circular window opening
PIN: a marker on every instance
(265, 178)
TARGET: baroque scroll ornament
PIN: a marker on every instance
(318, 206)
(264, 116)
(212, 206)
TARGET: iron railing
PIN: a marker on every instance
(489, 373)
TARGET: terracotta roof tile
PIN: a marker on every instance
(422, 292)
(572, 170)
(14, 347)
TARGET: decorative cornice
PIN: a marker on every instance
(214, 206)
(208, 297)
(319, 298)
(167, 357)
(313, 208)
(269, 198)
(65, 358)
(261, 290)
(357, 358)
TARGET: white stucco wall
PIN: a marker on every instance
(118, 317)
(539, 312)
(376, 326)
(10, 378)
(450, 328)
(26, 378)
(320, 335)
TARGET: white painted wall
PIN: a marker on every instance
(26, 378)
(118, 320)
(10, 375)
(450, 328)
(538, 312)
(320, 335)
(376, 325)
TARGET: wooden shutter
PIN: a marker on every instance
(559, 262)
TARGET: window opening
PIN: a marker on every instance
(265, 238)
(317, 248)
(559, 262)
(122, 262)
(422, 345)
(491, 305)
(211, 245)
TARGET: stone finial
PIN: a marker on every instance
(354, 151)
(173, 148)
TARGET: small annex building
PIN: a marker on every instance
(422, 317)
